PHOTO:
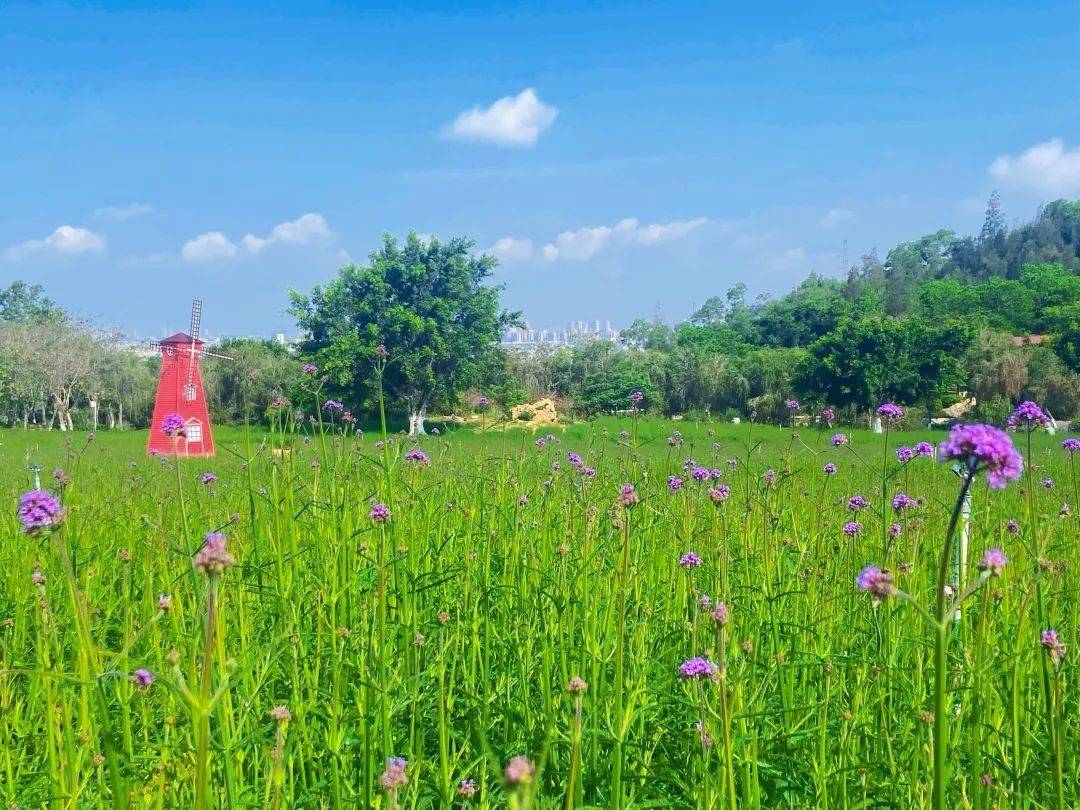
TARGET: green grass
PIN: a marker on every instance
(448, 635)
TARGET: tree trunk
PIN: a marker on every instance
(875, 423)
(416, 422)
(120, 415)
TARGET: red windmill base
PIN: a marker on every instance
(180, 391)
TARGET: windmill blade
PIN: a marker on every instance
(205, 353)
(196, 318)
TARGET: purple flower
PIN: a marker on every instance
(1048, 483)
(1052, 644)
(895, 530)
(993, 560)
(418, 456)
(902, 501)
(890, 411)
(39, 510)
(466, 788)
(856, 503)
(925, 449)
(624, 434)
(700, 474)
(985, 447)
(705, 602)
(628, 495)
(839, 439)
(1012, 527)
(874, 581)
(332, 405)
(540, 442)
(519, 771)
(852, 528)
(829, 468)
(380, 513)
(720, 614)
(482, 401)
(212, 559)
(573, 458)
(394, 776)
(1028, 413)
(770, 477)
(310, 369)
(1071, 445)
(904, 454)
(141, 679)
(793, 405)
(172, 424)
(208, 478)
(380, 351)
(719, 493)
(674, 483)
(698, 668)
(828, 414)
(636, 397)
(690, 560)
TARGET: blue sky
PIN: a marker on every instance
(621, 160)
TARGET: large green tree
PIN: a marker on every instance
(425, 301)
(867, 361)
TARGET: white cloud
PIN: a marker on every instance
(508, 248)
(310, 229)
(208, 247)
(66, 240)
(584, 243)
(663, 231)
(837, 216)
(1046, 168)
(120, 213)
(510, 121)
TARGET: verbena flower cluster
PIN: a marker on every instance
(985, 447)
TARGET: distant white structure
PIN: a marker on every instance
(527, 337)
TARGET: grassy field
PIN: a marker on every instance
(512, 605)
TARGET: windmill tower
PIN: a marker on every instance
(180, 391)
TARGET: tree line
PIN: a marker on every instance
(994, 316)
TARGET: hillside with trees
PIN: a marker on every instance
(996, 315)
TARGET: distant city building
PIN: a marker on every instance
(527, 337)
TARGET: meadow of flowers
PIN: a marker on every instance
(616, 614)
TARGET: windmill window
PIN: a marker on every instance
(194, 432)
(189, 392)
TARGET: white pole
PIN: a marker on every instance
(960, 560)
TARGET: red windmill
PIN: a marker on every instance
(180, 391)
